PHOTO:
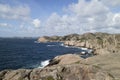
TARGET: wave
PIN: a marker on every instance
(44, 63)
(50, 45)
(62, 44)
(36, 42)
(88, 50)
(84, 49)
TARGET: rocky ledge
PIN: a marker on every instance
(64, 67)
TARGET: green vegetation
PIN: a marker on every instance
(99, 40)
(49, 78)
(82, 39)
(78, 62)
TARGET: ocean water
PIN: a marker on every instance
(26, 53)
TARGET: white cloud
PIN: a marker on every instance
(4, 25)
(84, 17)
(14, 12)
(81, 17)
(112, 3)
(116, 19)
(36, 23)
(92, 8)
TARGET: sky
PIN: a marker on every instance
(34, 18)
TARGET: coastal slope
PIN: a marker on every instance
(73, 70)
(100, 43)
(104, 65)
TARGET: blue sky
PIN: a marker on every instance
(33, 18)
(44, 8)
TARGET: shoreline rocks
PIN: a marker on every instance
(100, 43)
(66, 72)
(104, 66)
(65, 59)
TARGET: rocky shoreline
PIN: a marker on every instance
(100, 43)
(64, 67)
(104, 66)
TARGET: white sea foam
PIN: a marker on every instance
(50, 45)
(64, 45)
(90, 51)
(36, 42)
(44, 63)
(83, 52)
(84, 48)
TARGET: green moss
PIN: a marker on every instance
(99, 40)
(82, 39)
(49, 78)
(78, 62)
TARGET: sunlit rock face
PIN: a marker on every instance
(101, 43)
(66, 72)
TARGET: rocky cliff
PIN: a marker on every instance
(101, 43)
(104, 66)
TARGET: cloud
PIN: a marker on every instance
(36, 23)
(92, 8)
(4, 25)
(112, 3)
(84, 16)
(19, 19)
(116, 19)
(14, 12)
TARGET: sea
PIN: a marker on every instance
(27, 53)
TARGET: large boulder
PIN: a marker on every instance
(65, 59)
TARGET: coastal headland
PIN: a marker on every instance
(104, 65)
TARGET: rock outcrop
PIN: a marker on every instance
(65, 59)
(101, 43)
(50, 39)
(44, 39)
(66, 72)
(68, 67)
